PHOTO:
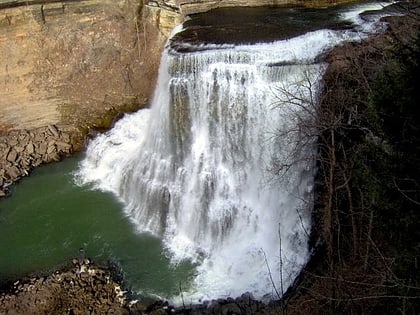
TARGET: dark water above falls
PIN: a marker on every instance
(262, 24)
(184, 182)
(253, 25)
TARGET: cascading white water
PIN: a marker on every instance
(193, 168)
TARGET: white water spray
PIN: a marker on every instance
(193, 169)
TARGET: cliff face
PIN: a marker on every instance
(72, 66)
(80, 63)
(76, 63)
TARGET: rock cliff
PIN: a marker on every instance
(79, 64)
(75, 66)
(72, 63)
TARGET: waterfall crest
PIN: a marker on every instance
(193, 169)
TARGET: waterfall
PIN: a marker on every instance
(195, 168)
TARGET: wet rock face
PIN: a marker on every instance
(22, 150)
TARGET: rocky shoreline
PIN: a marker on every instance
(23, 150)
(86, 288)
(82, 289)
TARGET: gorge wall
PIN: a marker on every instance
(72, 66)
(72, 63)
(78, 65)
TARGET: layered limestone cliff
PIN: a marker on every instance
(74, 66)
(75, 63)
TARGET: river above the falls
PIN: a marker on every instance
(49, 218)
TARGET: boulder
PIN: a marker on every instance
(53, 131)
(42, 148)
(51, 149)
(13, 172)
(30, 148)
(12, 156)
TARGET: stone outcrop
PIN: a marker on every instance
(83, 289)
(22, 150)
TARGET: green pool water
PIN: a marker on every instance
(48, 219)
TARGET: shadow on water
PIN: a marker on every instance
(48, 219)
